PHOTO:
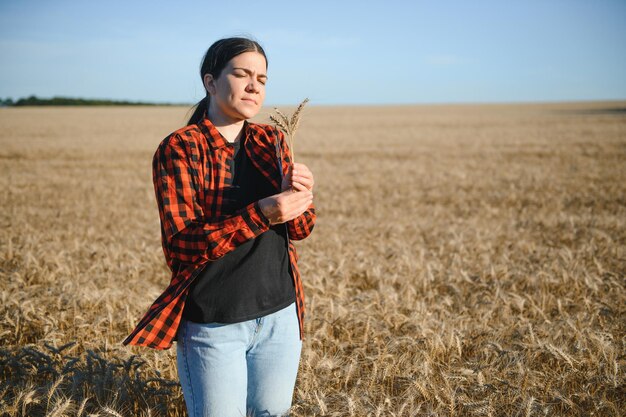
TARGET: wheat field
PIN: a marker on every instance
(468, 260)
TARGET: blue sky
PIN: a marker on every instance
(334, 52)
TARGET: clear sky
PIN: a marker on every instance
(334, 52)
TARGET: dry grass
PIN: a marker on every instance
(467, 261)
(289, 125)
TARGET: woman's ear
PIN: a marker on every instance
(209, 83)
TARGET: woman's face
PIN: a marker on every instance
(238, 93)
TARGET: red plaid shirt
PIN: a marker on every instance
(190, 170)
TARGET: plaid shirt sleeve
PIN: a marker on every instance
(188, 236)
(302, 226)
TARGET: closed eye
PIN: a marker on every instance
(242, 72)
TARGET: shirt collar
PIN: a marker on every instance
(214, 137)
(256, 143)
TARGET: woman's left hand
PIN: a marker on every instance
(299, 177)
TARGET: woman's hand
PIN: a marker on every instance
(299, 177)
(280, 208)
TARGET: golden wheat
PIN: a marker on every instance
(289, 125)
(467, 261)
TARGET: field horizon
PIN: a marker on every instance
(468, 260)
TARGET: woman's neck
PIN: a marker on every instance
(229, 129)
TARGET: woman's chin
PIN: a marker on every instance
(249, 113)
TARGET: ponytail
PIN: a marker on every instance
(200, 110)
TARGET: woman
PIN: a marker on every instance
(228, 214)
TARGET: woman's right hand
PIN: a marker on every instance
(280, 208)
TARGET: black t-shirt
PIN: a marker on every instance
(253, 280)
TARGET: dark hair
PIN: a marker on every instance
(215, 59)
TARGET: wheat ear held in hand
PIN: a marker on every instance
(289, 125)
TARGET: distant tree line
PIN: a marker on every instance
(69, 101)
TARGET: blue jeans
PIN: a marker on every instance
(239, 369)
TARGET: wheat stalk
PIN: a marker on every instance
(289, 125)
